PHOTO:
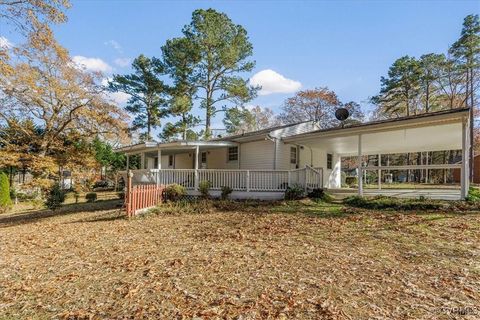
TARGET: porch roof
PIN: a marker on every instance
(150, 146)
(427, 132)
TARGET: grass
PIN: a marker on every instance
(252, 260)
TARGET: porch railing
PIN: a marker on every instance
(238, 180)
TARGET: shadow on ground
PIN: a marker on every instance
(68, 209)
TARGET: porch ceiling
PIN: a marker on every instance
(435, 136)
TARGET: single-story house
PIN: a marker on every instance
(263, 163)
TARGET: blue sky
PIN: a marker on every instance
(345, 45)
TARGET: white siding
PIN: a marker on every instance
(257, 155)
(283, 156)
(316, 157)
(184, 160)
(217, 159)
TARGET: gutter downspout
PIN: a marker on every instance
(274, 140)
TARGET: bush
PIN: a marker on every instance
(351, 181)
(316, 193)
(55, 197)
(91, 197)
(174, 192)
(204, 188)
(5, 200)
(226, 191)
(473, 195)
(382, 203)
(294, 192)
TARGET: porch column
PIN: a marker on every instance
(379, 173)
(359, 165)
(464, 174)
(128, 162)
(142, 160)
(196, 167)
(159, 156)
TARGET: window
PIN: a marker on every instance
(232, 153)
(204, 157)
(170, 160)
(293, 155)
(329, 160)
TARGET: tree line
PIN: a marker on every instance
(434, 81)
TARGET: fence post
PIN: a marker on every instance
(248, 181)
(289, 181)
(128, 194)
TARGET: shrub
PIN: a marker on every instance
(294, 192)
(5, 200)
(316, 193)
(382, 202)
(204, 188)
(174, 192)
(226, 191)
(91, 197)
(473, 195)
(351, 181)
(55, 197)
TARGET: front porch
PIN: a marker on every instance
(255, 184)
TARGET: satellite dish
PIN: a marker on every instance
(342, 114)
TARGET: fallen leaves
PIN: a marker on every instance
(242, 265)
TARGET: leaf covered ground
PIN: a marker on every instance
(300, 260)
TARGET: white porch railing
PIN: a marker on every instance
(239, 180)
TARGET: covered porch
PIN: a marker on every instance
(423, 133)
(188, 163)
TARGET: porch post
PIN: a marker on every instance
(142, 160)
(196, 168)
(464, 169)
(359, 165)
(159, 156)
(379, 173)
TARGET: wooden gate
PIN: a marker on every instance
(142, 197)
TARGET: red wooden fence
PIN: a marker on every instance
(142, 196)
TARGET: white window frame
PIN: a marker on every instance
(294, 153)
(329, 163)
(234, 153)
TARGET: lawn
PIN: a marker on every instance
(302, 260)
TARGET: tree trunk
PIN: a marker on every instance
(472, 113)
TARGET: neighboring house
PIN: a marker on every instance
(263, 163)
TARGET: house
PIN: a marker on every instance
(263, 163)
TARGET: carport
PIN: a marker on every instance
(445, 130)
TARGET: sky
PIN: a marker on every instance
(344, 45)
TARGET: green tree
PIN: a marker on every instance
(105, 155)
(147, 93)
(449, 81)
(5, 201)
(238, 120)
(467, 51)
(179, 60)
(399, 95)
(220, 55)
(429, 66)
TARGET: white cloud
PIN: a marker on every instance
(114, 44)
(5, 43)
(116, 97)
(122, 62)
(273, 82)
(92, 64)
